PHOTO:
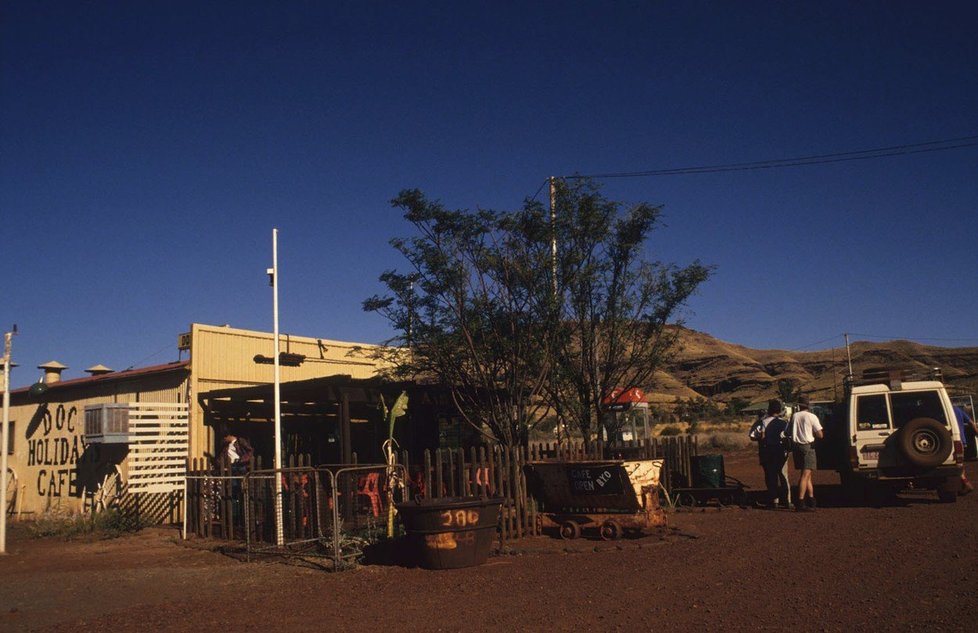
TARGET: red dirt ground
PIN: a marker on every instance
(909, 566)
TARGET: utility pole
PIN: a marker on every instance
(553, 285)
(553, 235)
(848, 354)
(5, 435)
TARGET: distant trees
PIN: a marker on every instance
(696, 409)
(735, 406)
(789, 390)
(484, 309)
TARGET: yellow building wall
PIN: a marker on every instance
(224, 357)
(52, 464)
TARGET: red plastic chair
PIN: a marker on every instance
(482, 478)
(370, 488)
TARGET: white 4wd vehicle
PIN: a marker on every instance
(891, 433)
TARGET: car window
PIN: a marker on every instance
(871, 413)
(916, 404)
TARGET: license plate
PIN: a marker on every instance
(871, 456)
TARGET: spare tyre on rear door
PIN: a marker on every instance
(925, 442)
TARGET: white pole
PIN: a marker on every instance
(279, 536)
(6, 440)
(848, 355)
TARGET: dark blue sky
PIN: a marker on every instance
(148, 149)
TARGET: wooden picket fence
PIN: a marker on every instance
(676, 450)
(215, 501)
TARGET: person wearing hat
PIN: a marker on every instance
(805, 429)
(769, 433)
(236, 454)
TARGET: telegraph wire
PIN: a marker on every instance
(140, 362)
(960, 142)
(914, 338)
(810, 345)
(817, 159)
(542, 185)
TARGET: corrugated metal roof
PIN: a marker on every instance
(113, 376)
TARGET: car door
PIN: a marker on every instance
(871, 428)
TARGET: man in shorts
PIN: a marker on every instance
(805, 429)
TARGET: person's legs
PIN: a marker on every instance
(810, 466)
(785, 482)
(799, 458)
(783, 487)
(966, 486)
(806, 478)
(772, 472)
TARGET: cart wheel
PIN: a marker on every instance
(685, 500)
(569, 530)
(610, 531)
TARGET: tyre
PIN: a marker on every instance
(569, 530)
(610, 530)
(685, 500)
(925, 442)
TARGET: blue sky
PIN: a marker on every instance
(148, 149)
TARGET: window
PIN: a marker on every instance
(871, 413)
(919, 404)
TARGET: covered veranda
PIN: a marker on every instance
(333, 420)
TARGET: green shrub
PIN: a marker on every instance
(670, 430)
(67, 525)
(725, 440)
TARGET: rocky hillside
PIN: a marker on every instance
(711, 368)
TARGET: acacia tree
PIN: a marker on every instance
(472, 311)
(789, 390)
(616, 307)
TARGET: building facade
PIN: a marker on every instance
(56, 463)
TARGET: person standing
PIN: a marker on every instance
(805, 429)
(769, 433)
(965, 421)
(236, 454)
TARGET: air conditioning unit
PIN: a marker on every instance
(107, 423)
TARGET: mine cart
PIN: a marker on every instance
(709, 483)
(613, 496)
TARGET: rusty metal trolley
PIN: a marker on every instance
(732, 492)
(614, 496)
(709, 483)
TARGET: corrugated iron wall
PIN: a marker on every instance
(224, 357)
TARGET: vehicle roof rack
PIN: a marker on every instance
(894, 376)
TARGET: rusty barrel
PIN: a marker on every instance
(451, 532)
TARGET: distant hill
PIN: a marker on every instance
(710, 368)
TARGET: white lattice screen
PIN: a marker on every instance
(158, 446)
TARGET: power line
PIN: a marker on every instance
(914, 338)
(810, 345)
(800, 161)
(542, 185)
(141, 361)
